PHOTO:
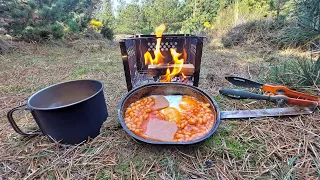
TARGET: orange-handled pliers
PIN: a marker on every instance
(295, 97)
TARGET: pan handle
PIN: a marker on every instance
(14, 124)
(273, 112)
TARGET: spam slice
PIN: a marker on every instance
(160, 102)
(161, 130)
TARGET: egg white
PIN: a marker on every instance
(174, 101)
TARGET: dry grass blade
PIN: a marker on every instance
(148, 170)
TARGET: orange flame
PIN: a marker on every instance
(158, 57)
(157, 53)
(177, 66)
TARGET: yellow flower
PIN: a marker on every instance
(96, 25)
(207, 24)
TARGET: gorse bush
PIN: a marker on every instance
(96, 25)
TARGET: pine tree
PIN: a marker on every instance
(164, 11)
(131, 19)
(198, 12)
(106, 16)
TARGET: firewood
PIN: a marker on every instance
(158, 70)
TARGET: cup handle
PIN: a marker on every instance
(15, 126)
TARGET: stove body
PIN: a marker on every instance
(134, 48)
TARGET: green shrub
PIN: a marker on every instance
(73, 25)
(293, 36)
(57, 30)
(34, 33)
(42, 33)
(254, 31)
(48, 19)
(296, 26)
(240, 12)
(107, 32)
(294, 73)
(307, 24)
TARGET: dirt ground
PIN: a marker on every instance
(261, 148)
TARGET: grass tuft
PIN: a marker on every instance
(238, 149)
(224, 140)
(294, 72)
(80, 72)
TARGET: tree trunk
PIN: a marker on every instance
(236, 13)
(195, 8)
(278, 9)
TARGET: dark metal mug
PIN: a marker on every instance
(69, 112)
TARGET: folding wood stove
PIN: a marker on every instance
(138, 73)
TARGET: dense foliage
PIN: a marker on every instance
(186, 16)
(46, 19)
(131, 19)
(39, 19)
(194, 16)
(307, 23)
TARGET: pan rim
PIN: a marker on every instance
(210, 98)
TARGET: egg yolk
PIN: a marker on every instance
(187, 103)
(172, 114)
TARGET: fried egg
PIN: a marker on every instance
(174, 101)
(172, 112)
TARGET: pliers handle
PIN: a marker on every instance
(283, 90)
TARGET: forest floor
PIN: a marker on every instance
(261, 148)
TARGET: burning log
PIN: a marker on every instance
(158, 70)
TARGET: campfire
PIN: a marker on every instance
(161, 58)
